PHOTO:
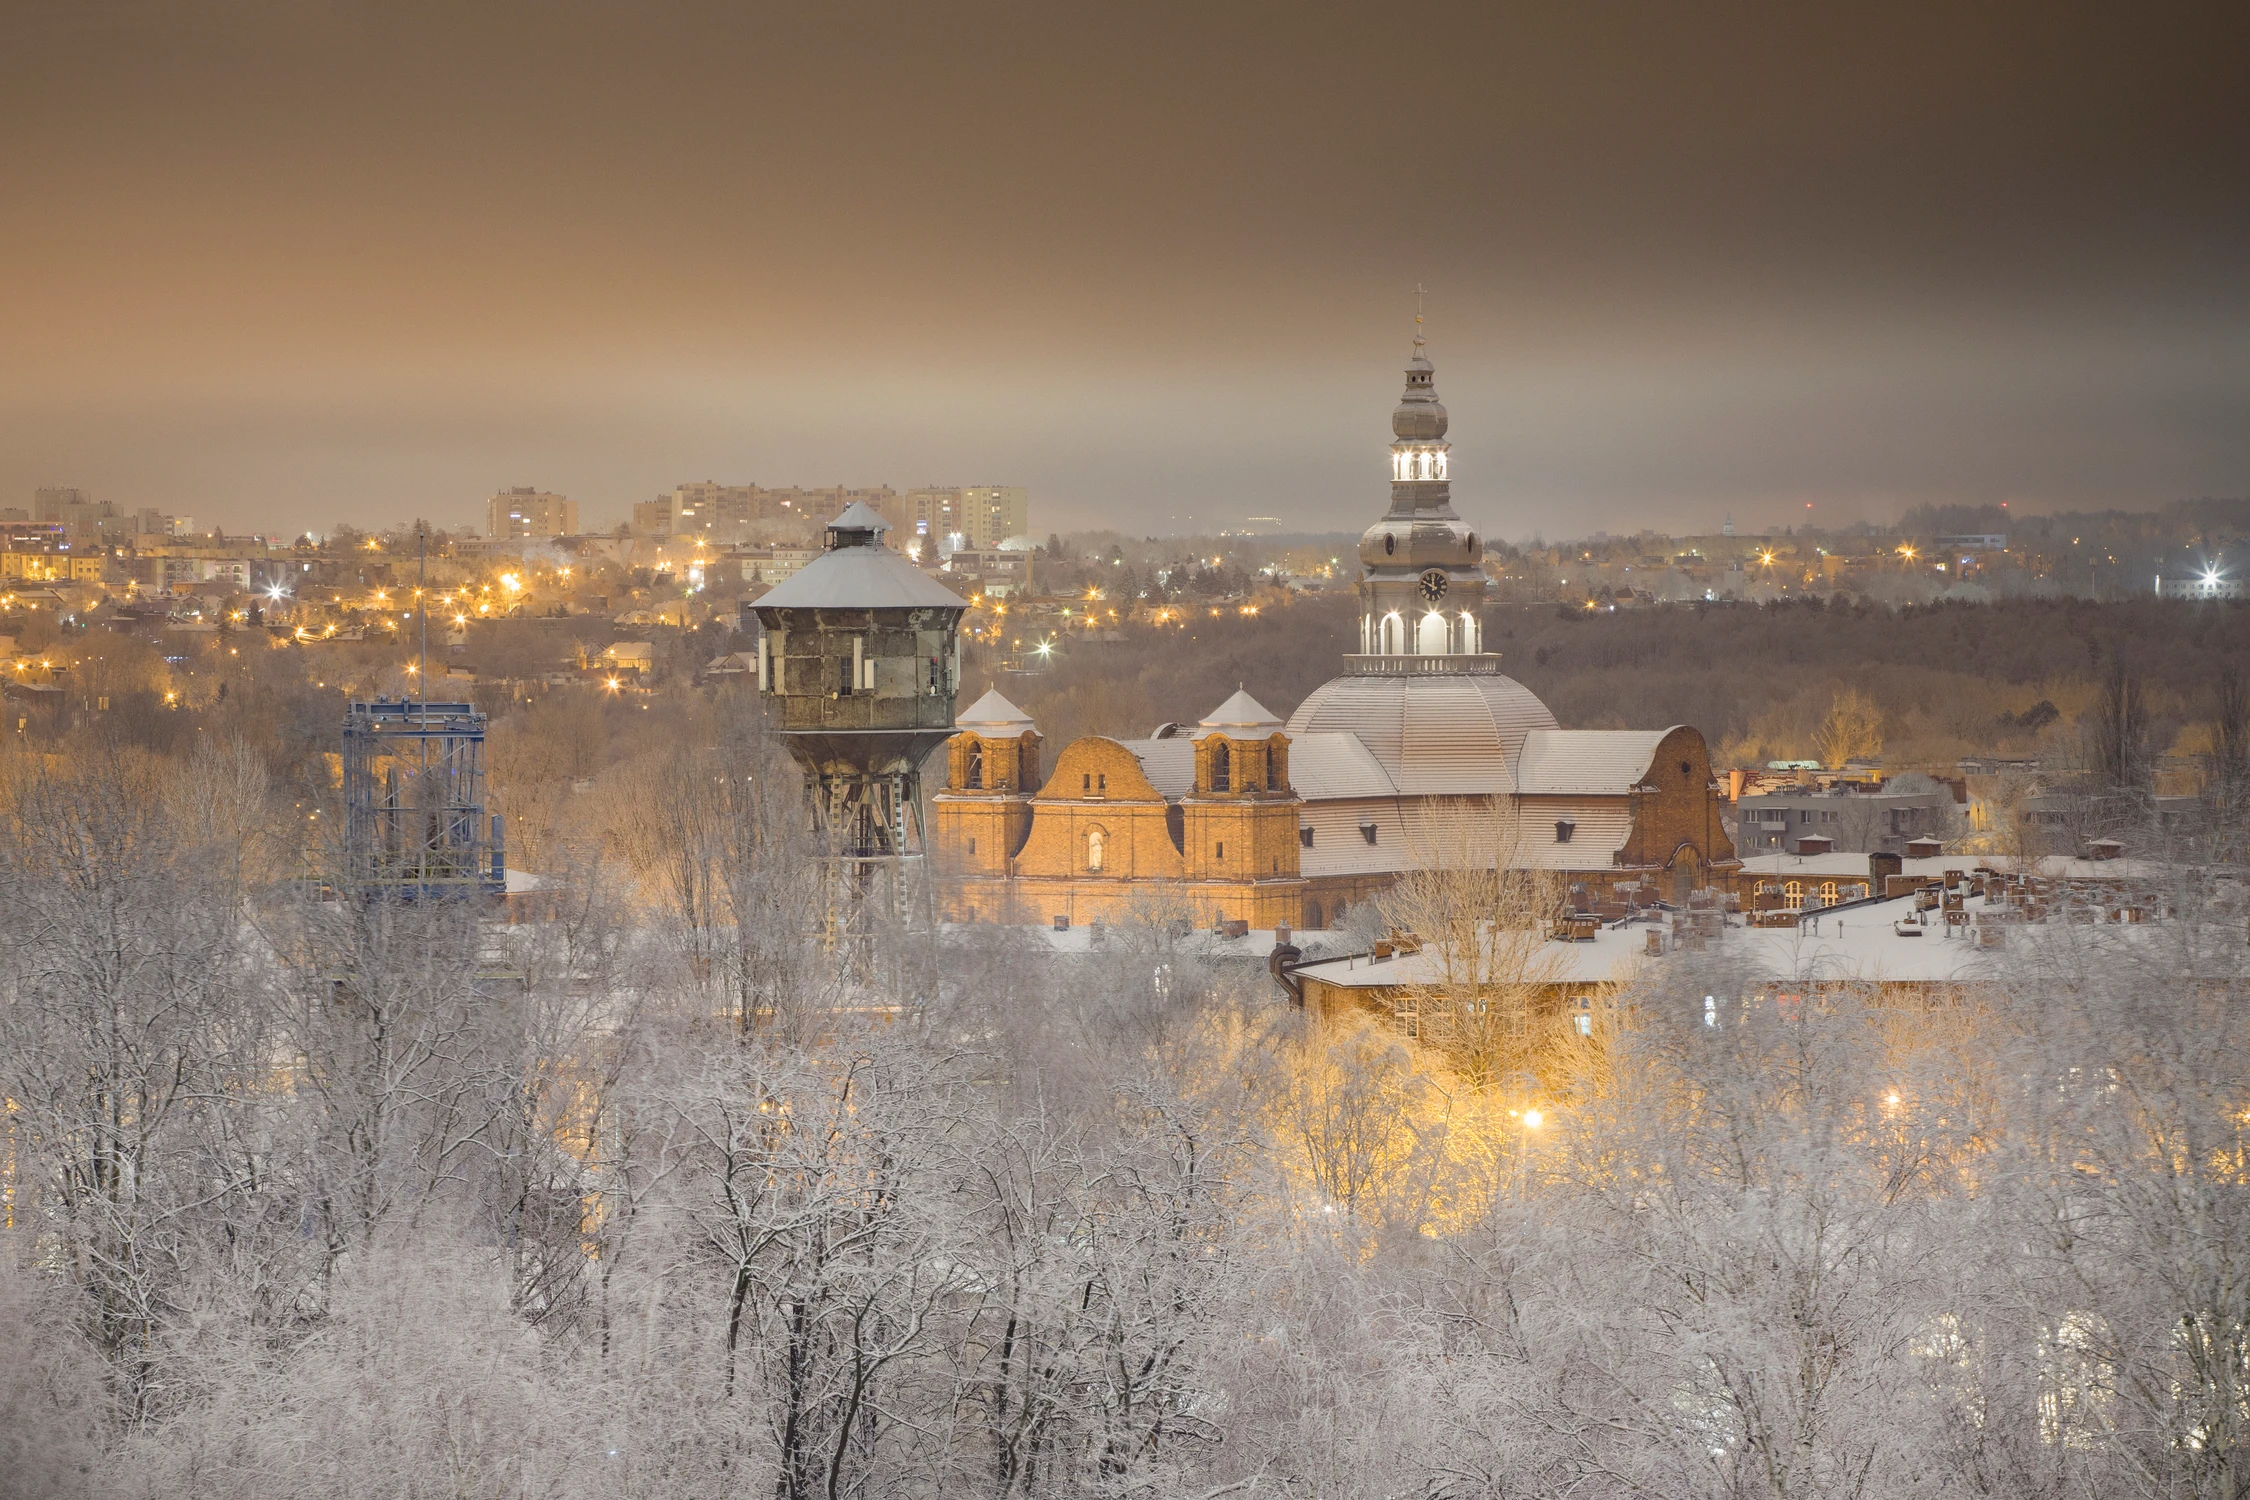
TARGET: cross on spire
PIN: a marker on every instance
(1418, 295)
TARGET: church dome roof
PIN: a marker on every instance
(1437, 734)
(1420, 541)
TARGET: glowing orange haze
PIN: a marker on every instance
(277, 270)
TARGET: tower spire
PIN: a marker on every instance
(1418, 339)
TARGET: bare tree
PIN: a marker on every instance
(1477, 916)
(1852, 727)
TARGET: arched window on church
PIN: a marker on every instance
(1222, 768)
(1095, 842)
(1273, 772)
(974, 779)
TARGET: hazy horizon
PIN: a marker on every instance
(277, 268)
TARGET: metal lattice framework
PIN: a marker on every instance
(414, 819)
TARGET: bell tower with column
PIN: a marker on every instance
(1422, 587)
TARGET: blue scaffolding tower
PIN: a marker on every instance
(414, 820)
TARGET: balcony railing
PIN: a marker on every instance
(1481, 663)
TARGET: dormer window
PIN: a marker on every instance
(1564, 828)
(1367, 832)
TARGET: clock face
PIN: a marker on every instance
(1433, 586)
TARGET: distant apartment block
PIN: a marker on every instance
(734, 514)
(83, 518)
(524, 511)
(929, 522)
(2201, 586)
(55, 502)
(972, 518)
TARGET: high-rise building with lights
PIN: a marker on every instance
(524, 511)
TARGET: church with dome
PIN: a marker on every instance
(1422, 753)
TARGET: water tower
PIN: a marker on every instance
(858, 663)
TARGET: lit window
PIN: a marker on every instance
(1710, 1010)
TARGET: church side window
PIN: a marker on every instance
(1222, 768)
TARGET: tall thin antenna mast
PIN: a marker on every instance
(422, 611)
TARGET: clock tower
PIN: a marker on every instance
(1422, 584)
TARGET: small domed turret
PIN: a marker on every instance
(1420, 417)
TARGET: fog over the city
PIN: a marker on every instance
(278, 267)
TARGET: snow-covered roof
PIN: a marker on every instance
(860, 516)
(1873, 944)
(1242, 716)
(1780, 866)
(1333, 765)
(859, 577)
(994, 715)
(1566, 762)
(1169, 765)
(1437, 733)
